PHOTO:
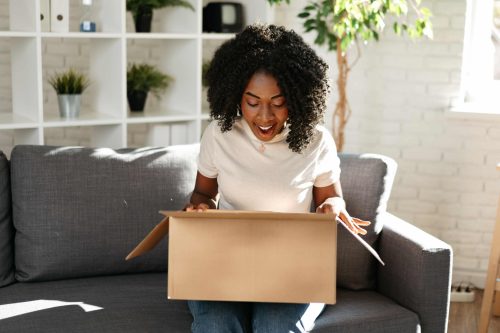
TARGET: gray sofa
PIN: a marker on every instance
(69, 216)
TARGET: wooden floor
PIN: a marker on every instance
(464, 317)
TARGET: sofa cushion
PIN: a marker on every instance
(6, 228)
(79, 211)
(129, 302)
(366, 311)
(137, 303)
(366, 184)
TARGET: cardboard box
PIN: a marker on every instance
(248, 256)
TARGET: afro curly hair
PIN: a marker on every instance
(301, 75)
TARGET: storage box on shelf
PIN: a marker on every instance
(28, 107)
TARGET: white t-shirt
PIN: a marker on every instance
(266, 176)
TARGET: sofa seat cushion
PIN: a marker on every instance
(138, 303)
(79, 211)
(131, 303)
(366, 311)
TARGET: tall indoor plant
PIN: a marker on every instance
(142, 79)
(69, 86)
(339, 24)
(142, 11)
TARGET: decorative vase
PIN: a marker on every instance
(143, 19)
(137, 100)
(69, 105)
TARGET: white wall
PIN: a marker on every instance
(400, 93)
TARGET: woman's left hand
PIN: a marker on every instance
(336, 205)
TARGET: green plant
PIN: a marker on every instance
(147, 78)
(133, 5)
(204, 70)
(339, 24)
(70, 82)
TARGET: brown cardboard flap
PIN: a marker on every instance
(151, 240)
(248, 215)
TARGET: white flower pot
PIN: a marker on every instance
(69, 106)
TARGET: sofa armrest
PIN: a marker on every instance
(417, 273)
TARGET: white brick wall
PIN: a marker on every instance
(446, 183)
(400, 93)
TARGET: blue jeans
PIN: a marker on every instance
(243, 317)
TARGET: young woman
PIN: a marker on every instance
(266, 151)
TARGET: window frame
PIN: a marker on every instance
(478, 88)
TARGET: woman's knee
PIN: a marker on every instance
(220, 317)
(284, 318)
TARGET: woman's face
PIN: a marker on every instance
(263, 106)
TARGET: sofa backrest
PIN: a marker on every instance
(79, 211)
(6, 228)
(366, 184)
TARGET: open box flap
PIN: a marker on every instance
(249, 215)
(151, 240)
(155, 236)
(241, 214)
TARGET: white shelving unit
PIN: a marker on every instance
(176, 45)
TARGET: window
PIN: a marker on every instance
(496, 38)
(480, 82)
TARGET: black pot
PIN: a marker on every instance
(143, 19)
(137, 100)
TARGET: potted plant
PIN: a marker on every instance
(341, 24)
(141, 79)
(142, 11)
(204, 83)
(204, 69)
(69, 86)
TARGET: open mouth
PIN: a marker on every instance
(265, 131)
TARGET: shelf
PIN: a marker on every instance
(159, 35)
(100, 59)
(85, 119)
(30, 54)
(157, 116)
(163, 133)
(17, 34)
(171, 19)
(14, 121)
(177, 58)
(216, 36)
(89, 35)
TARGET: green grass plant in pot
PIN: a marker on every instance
(142, 11)
(340, 24)
(69, 86)
(142, 79)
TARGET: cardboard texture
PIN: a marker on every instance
(248, 256)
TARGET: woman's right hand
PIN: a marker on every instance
(201, 207)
